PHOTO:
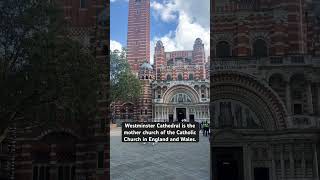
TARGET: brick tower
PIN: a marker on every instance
(146, 76)
(138, 33)
(159, 59)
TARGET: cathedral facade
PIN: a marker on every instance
(265, 90)
(180, 90)
(175, 87)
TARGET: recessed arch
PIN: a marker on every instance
(169, 93)
(260, 48)
(259, 97)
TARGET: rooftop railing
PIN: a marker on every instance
(254, 63)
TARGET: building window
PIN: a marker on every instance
(297, 109)
(141, 112)
(223, 49)
(146, 112)
(190, 76)
(169, 77)
(82, 3)
(260, 48)
(100, 159)
(180, 77)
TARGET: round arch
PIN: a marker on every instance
(259, 97)
(169, 93)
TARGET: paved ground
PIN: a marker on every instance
(165, 161)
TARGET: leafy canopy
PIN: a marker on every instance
(41, 68)
(125, 86)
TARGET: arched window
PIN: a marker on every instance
(223, 49)
(181, 98)
(190, 76)
(260, 48)
(169, 77)
(180, 77)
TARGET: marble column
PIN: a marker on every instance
(318, 107)
(273, 163)
(288, 97)
(282, 162)
(309, 98)
(246, 158)
(315, 162)
(53, 162)
(303, 162)
(291, 160)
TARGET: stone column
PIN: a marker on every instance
(161, 115)
(246, 159)
(282, 161)
(309, 98)
(318, 107)
(288, 97)
(187, 114)
(291, 160)
(315, 162)
(249, 167)
(53, 162)
(273, 165)
(303, 162)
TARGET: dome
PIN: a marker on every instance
(198, 41)
(146, 66)
(159, 44)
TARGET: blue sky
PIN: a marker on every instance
(177, 23)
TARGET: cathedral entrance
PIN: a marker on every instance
(170, 117)
(261, 173)
(181, 114)
(227, 163)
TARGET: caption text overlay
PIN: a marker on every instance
(160, 132)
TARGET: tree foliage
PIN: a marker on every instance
(125, 86)
(41, 68)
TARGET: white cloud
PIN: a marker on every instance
(166, 12)
(115, 45)
(193, 22)
(118, 0)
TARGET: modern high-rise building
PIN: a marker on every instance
(138, 42)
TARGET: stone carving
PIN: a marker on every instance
(230, 113)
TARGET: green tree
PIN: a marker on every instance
(41, 68)
(125, 86)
